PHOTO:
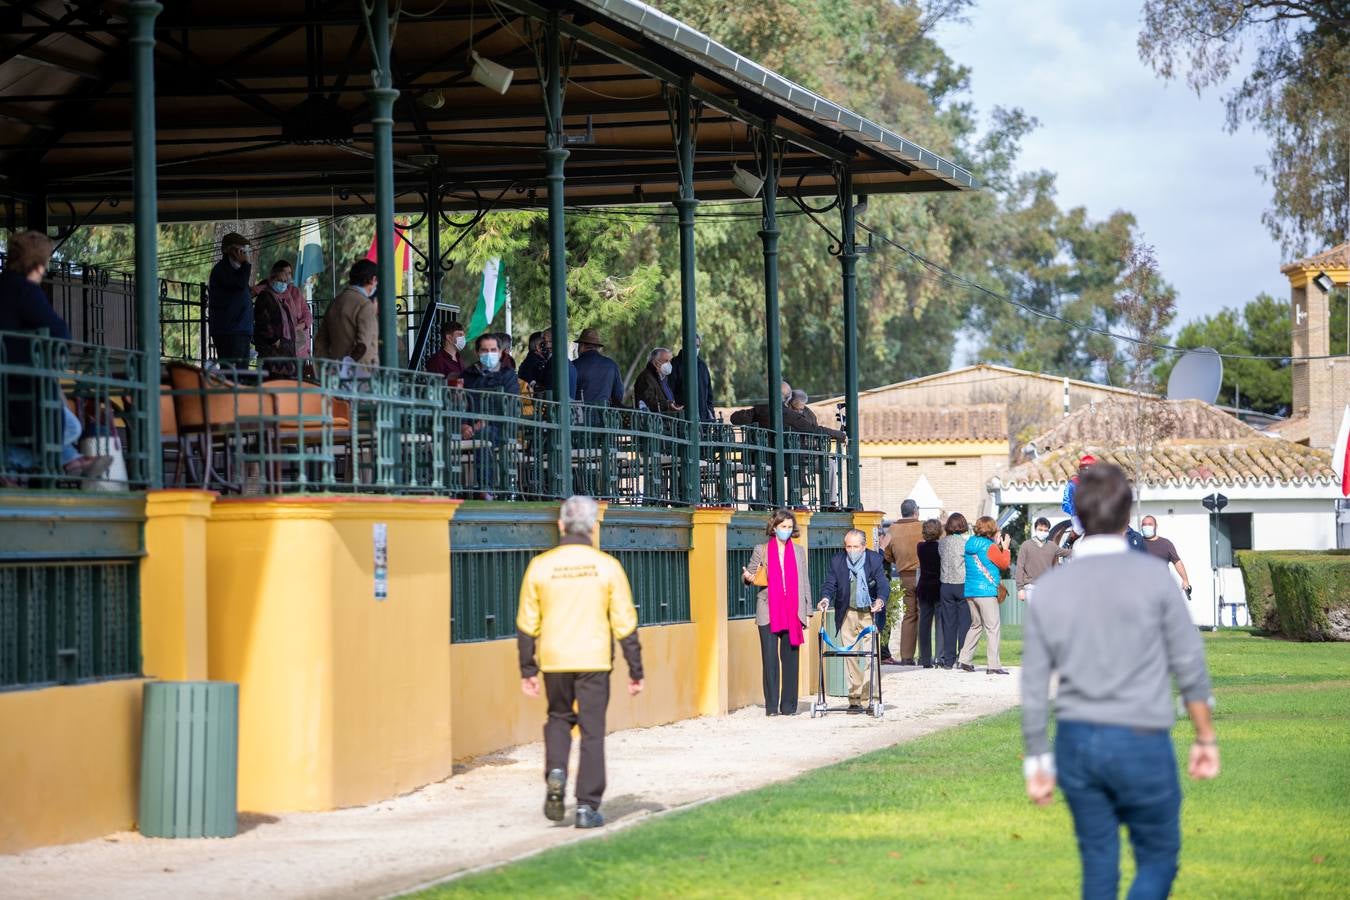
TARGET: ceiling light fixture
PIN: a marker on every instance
(491, 75)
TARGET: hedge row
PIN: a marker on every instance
(1256, 578)
(1304, 594)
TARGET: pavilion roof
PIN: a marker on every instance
(261, 110)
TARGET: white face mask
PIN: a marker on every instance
(1148, 531)
(459, 342)
(666, 369)
(1042, 535)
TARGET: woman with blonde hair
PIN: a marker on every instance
(986, 553)
(779, 567)
(953, 613)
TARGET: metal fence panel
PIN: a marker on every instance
(62, 623)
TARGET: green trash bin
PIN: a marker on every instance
(189, 759)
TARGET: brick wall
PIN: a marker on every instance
(887, 482)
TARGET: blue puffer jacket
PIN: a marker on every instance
(977, 585)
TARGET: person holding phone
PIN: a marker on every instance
(782, 609)
(986, 554)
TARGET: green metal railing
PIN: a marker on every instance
(653, 548)
(743, 534)
(62, 623)
(827, 539)
(490, 547)
(46, 384)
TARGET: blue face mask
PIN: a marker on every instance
(279, 287)
(784, 533)
(490, 359)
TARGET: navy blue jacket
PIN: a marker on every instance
(599, 382)
(545, 378)
(24, 308)
(705, 407)
(230, 299)
(835, 588)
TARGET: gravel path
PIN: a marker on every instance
(489, 812)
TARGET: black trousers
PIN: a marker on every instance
(588, 692)
(955, 617)
(929, 597)
(779, 659)
(232, 347)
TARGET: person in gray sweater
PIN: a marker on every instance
(1115, 628)
(1036, 557)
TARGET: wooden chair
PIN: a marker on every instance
(304, 415)
(211, 410)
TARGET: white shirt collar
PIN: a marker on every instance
(1100, 545)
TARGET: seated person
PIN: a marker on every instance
(24, 307)
(448, 362)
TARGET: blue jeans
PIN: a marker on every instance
(71, 429)
(1113, 775)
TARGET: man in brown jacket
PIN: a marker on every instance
(350, 327)
(903, 552)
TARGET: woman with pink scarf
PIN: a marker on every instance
(782, 611)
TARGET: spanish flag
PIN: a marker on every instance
(402, 250)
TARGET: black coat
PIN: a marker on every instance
(835, 588)
(647, 389)
(705, 407)
(24, 308)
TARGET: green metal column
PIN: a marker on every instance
(555, 156)
(848, 259)
(382, 97)
(146, 201)
(687, 204)
(773, 341)
(433, 244)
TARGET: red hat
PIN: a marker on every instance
(1086, 460)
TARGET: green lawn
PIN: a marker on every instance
(945, 815)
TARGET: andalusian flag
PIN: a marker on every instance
(309, 261)
(402, 251)
(493, 297)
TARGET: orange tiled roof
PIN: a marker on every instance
(1335, 258)
(1112, 421)
(1253, 461)
(922, 424)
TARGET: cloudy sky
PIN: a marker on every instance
(1120, 138)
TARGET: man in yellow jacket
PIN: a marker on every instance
(574, 601)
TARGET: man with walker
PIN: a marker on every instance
(857, 587)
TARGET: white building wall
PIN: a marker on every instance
(1278, 523)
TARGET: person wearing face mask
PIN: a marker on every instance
(1164, 550)
(229, 300)
(857, 586)
(544, 380)
(705, 405)
(782, 610)
(274, 333)
(449, 360)
(280, 282)
(532, 366)
(653, 387)
(350, 326)
(487, 380)
(1036, 557)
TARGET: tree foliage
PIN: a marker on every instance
(1261, 328)
(1296, 88)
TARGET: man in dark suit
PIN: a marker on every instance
(705, 406)
(857, 587)
(599, 381)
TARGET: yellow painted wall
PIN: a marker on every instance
(745, 675)
(173, 585)
(489, 712)
(69, 763)
(344, 699)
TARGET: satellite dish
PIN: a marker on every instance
(1198, 375)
